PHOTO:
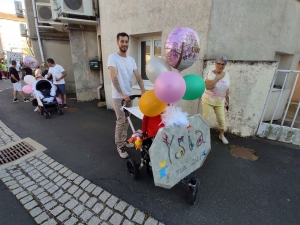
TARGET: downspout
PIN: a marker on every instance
(101, 71)
(37, 30)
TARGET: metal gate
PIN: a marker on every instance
(281, 120)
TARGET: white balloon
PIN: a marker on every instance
(29, 79)
(155, 67)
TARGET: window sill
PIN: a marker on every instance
(147, 84)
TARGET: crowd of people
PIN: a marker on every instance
(55, 74)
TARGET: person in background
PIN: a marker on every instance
(58, 73)
(38, 76)
(15, 79)
(216, 95)
(122, 68)
(28, 70)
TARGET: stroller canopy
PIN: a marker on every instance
(43, 84)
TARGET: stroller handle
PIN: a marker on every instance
(132, 97)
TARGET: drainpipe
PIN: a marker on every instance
(37, 30)
(101, 70)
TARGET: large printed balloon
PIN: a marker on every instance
(182, 48)
(31, 62)
(195, 87)
(155, 67)
(169, 87)
(150, 105)
(29, 79)
(27, 89)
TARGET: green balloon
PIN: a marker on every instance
(195, 87)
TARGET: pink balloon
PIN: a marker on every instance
(182, 48)
(31, 62)
(169, 87)
(58, 99)
(27, 89)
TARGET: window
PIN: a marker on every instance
(148, 48)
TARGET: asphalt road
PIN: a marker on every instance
(232, 190)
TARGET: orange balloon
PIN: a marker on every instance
(150, 105)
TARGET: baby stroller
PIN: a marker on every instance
(146, 150)
(45, 92)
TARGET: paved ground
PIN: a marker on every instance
(233, 191)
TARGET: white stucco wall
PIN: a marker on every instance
(254, 30)
(141, 18)
(249, 87)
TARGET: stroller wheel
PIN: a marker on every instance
(192, 193)
(60, 112)
(133, 168)
(47, 115)
(149, 170)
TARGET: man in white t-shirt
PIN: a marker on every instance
(122, 68)
(58, 74)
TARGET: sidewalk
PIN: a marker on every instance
(53, 194)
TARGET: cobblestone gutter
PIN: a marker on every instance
(53, 194)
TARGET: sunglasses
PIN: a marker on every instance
(221, 64)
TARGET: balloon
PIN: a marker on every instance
(195, 87)
(27, 89)
(155, 67)
(150, 105)
(29, 79)
(31, 62)
(58, 99)
(182, 48)
(169, 87)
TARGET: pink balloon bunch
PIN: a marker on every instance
(169, 87)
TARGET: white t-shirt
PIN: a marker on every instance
(56, 72)
(125, 68)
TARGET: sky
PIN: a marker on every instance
(8, 6)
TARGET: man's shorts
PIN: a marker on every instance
(61, 89)
(17, 86)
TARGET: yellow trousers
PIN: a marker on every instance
(208, 110)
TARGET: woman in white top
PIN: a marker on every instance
(216, 95)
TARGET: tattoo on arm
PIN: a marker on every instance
(117, 84)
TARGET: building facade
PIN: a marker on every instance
(10, 34)
(257, 39)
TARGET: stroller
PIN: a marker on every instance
(45, 92)
(134, 167)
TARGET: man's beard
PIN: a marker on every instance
(123, 50)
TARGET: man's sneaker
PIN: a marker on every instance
(65, 106)
(122, 152)
(16, 100)
(128, 145)
(26, 100)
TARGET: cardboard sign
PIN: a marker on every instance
(178, 151)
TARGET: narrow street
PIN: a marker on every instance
(232, 190)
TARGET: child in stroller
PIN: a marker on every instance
(150, 127)
(45, 92)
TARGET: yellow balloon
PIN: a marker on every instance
(150, 105)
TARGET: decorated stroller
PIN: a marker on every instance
(45, 92)
(176, 152)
